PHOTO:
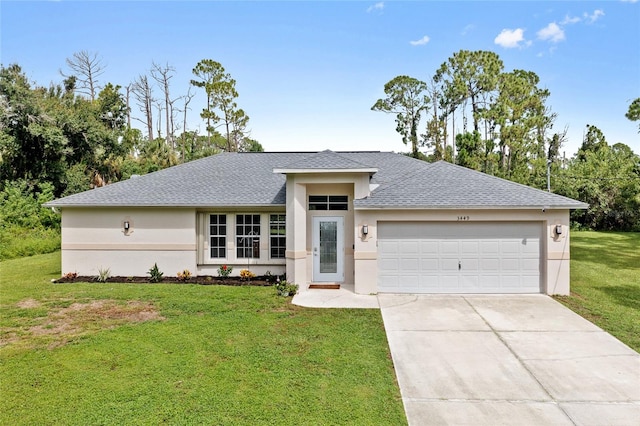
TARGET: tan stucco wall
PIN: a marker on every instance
(95, 239)
(554, 256)
(299, 242)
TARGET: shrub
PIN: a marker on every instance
(155, 274)
(246, 274)
(103, 275)
(19, 242)
(70, 275)
(224, 271)
(184, 275)
(285, 288)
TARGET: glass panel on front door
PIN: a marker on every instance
(328, 247)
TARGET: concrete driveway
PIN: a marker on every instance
(501, 359)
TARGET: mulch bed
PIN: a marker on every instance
(202, 280)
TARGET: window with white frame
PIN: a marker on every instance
(328, 202)
(277, 235)
(218, 236)
(248, 236)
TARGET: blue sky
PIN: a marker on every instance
(309, 72)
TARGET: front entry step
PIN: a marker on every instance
(325, 286)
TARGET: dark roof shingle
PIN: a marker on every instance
(247, 179)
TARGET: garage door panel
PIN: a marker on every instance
(490, 265)
(389, 264)
(449, 264)
(451, 257)
(510, 265)
(388, 247)
(429, 264)
(429, 282)
(410, 264)
(531, 246)
(449, 247)
(448, 281)
(488, 248)
(469, 265)
(468, 248)
(428, 247)
(409, 247)
(530, 265)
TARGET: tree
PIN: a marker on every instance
(143, 92)
(407, 99)
(112, 106)
(608, 179)
(467, 75)
(521, 118)
(593, 141)
(222, 109)
(634, 112)
(469, 150)
(162, 75)
(435, 136)
(86, 67)
(32, 146)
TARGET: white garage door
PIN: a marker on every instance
(452, 257)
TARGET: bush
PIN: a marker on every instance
(285, 288)
(20, 242)
(103, 275)
(184, 275)
(155, 276)
(224, 271)
(246, 274)
(21, 206)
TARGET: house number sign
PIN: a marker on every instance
(463, 218)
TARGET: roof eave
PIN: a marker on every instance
(305, 171)
(155, 205)
(470, 207)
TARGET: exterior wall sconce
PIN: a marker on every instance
(365, 230)
(558, 230)
(126, 225)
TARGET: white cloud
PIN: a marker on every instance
(551, 32)
(570, 20)
(376, 7)
(510, 38)
(467, 29)
(422, 41)
(597, 14)
(629, 1)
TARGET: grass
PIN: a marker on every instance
(184, 354)
(605, 282)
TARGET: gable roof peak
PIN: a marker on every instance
(326, 160)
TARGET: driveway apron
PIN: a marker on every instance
(507, 359)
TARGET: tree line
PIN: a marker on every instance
(78, 133)
(508, 131)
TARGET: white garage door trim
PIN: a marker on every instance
(454, 257)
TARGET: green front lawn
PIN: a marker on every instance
(184, 354)
(605, 282)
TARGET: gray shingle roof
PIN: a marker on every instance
(247, 179)
(326, 160)
(445, 185)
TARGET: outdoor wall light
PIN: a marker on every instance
(365, 230)
(558, 229)
(126, 225)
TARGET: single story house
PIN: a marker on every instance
(372, 221)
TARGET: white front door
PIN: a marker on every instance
(328, 249)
